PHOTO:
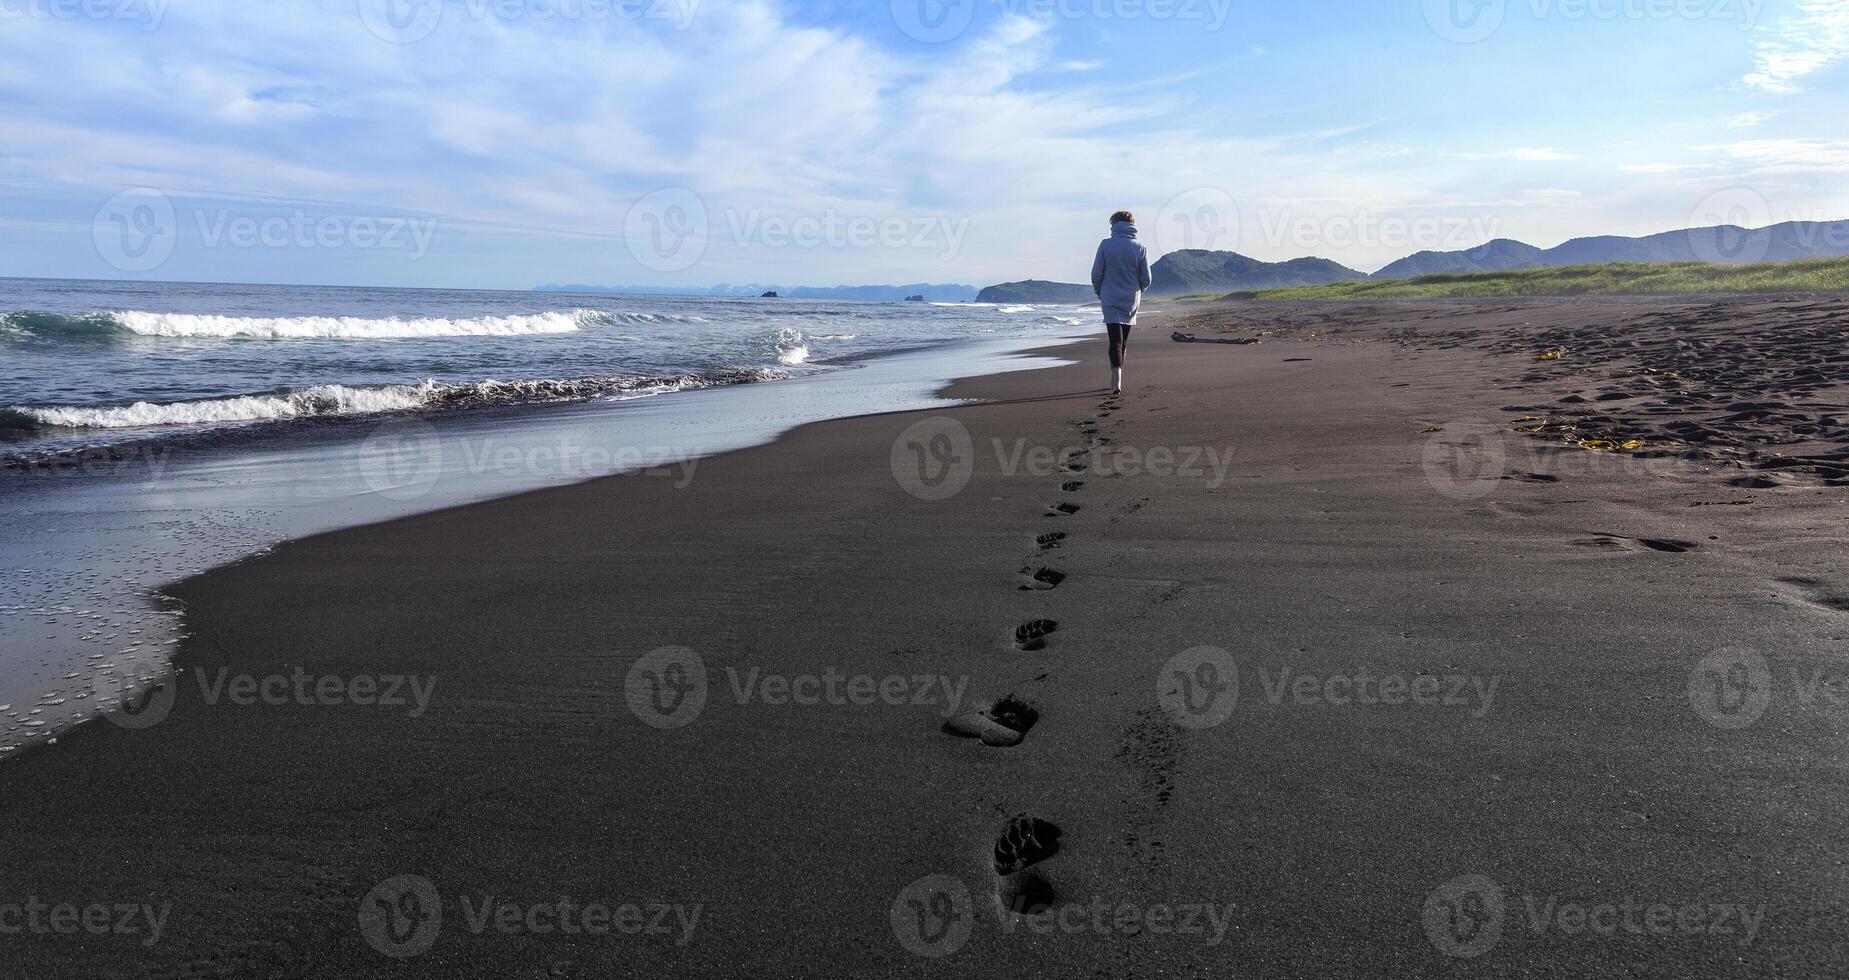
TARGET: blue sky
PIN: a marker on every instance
(503, 143)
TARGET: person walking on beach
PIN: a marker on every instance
(1119, 275)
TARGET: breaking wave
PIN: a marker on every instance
(327, 401)
(51, 326)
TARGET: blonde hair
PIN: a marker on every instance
(1123, 216)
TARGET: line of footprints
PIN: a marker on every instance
(1004, 722)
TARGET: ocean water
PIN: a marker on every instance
(87, 364)
(152, 431)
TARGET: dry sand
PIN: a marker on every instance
(1572, 766)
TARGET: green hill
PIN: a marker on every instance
(1037, 291)
(1196, 270)
(1609, 279)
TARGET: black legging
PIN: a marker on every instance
(1120, 338)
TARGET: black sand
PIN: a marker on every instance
(1564, 603)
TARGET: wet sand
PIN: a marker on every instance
(1344, 676)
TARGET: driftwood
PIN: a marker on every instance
(1188, 338)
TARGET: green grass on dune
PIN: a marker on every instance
(1611, 279)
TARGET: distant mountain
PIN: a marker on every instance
(1195, 270)
(1727, 244)
(938, 293)
(1038, 291)
(1496, 256)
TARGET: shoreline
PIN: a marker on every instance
(149, 521)
(1315, 829)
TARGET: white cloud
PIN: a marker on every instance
(1664, 168)
(552, 129)
(1531, 154)
(1793, 154)
(1747, 120)
(1812, 40)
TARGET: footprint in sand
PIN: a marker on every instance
(1025, 842)
(1072, 486)
(1041, 579)
(1129, 508)
(1050, 540)
(1063, 509)
(1818, 593)
(1032, 634)
(1619, 542)
(1002, 724)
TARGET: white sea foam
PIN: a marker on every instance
(336, 400)
(373, 328)
(311, 327)
(319, 400)
(791, 347)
